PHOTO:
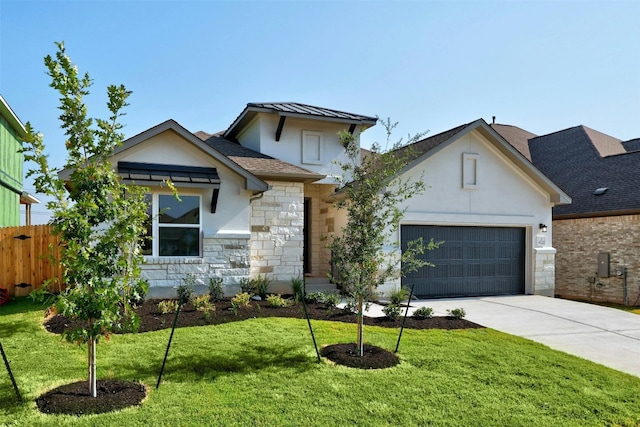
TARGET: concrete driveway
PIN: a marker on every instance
(603, 335)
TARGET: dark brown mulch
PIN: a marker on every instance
(74, 398)
(347, 355)
(152, 320)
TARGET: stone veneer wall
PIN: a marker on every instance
(277, 239)
(579, 241)
(544, 271)
(322, 225)
(226, 257)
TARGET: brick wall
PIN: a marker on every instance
(578, 242)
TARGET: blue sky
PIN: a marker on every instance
(430, 65)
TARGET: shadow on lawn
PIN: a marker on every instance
(183, 366)
(18, 306)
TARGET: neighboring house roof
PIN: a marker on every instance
(258, 164)
(294, 109)
(516, 136)
(632, 145)
(252, 182)
(428, 147)
(10, 116)
(582, 161)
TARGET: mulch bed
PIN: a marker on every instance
(372, 358)
(74, 398)
(152, 320)
(115, 394)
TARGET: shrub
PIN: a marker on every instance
(297, 285)
(457, 313)
(423, 313)
(167, 306)
(185, 291)
(260, 285)
(398, 295)
(216, 293)
(314, 297)
(351, 304)
(204, 305)
(331, 299)
(247, 286)
(242, 299)
(392, 311)
(137, 292)
(277, 301)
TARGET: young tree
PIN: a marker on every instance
(365, 255)
(99, 220)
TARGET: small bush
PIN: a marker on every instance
(423, 313)
(457, 313)
(277, 301)
(242, 299)
(314, 297)
(137, 292)
(247, 286)
(216, 293)
(260, 285)
(204, 305)
(399, 295)
(392, 311)
(351, 304)
(297, 285)
(185, 291)
(331, 299)
(168, 306)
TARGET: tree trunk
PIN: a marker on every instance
(93, 391)
(360, 327)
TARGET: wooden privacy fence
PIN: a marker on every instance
(25, 261)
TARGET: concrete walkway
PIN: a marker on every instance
(603, 335)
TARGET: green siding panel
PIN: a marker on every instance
(11, 164)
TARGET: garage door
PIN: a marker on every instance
(472, 261)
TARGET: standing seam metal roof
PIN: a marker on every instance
(310, 110)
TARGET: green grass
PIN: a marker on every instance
(263, 372)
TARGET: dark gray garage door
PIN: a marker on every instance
(472, 261)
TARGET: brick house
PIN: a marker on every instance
(256, 200)
(597, 236)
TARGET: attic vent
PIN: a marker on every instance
(600, 191)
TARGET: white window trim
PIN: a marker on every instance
(155, 226)
(470, 171)
(305, 154)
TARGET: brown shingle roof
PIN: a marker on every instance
(418, 148)
(515, 136)
(605, 144)
(259, 164)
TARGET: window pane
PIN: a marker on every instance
(173, 211)
(147, 244)
(179, 241)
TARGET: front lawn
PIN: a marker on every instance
(263, 372)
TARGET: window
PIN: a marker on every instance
(173, 225)
(312, 147)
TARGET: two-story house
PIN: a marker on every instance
(12, 194)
